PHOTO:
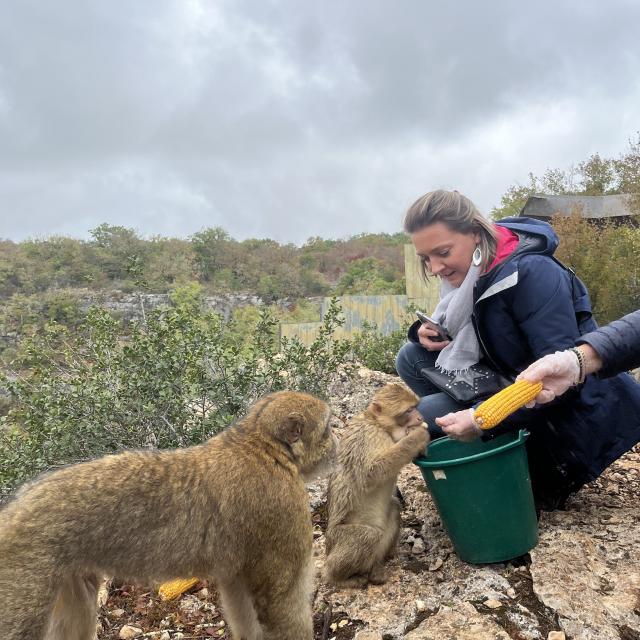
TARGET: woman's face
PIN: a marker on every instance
(446, 253)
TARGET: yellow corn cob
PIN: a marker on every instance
(175, 588)
(496, 408)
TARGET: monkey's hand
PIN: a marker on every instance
(460, 425)
(416, 440)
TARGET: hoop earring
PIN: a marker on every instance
(476, 258)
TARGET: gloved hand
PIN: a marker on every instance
(557, 371)
(460, 425)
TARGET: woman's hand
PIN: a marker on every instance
(557, 371)
(460, 425)
(426, 335)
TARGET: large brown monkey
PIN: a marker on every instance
(364, 514)
(235, 509)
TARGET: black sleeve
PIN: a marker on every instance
(412, 334)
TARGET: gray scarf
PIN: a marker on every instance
(454, 313)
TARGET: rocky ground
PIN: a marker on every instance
(581, 582)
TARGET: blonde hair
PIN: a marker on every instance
(459, 214)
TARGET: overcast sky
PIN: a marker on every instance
(295, 119)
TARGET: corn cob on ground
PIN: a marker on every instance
(496, 408)
(175, 588)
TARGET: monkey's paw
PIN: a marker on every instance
(378, 575)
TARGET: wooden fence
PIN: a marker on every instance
(388, 313)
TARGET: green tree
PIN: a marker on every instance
(120, 254)
(606, 261)
(170, 262)
(213, 249)
(597, 176)
(369, 276)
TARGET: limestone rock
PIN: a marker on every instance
(367, 635)
(462, 622)
(591, 580)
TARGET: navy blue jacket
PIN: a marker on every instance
(529, 306)
(617, 344)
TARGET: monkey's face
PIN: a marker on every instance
(405, 422)
(303, 424)
(411, 418)
(320, 448)
(394, 409)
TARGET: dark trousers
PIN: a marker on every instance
(433, 403)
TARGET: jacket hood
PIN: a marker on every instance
(538, 236)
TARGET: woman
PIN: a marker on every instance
(506, 301)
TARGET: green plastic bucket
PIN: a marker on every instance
(483, 493)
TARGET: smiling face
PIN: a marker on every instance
(445, 253)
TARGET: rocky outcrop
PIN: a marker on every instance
(130, 306)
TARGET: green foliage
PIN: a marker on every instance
(117, 258)
(376, 351)
(369, 276)
(120, 254)
(300, 310)
(514, 199)
(607, 262)
(189, 296)
(28, 315)
(597, 176)
(310, 368)
(175, 380)
(213, 249)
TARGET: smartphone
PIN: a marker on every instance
(432, 324)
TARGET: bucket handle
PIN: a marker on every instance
(523, 434)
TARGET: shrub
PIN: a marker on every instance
(606, 259)
(376, 351)
(173, 381)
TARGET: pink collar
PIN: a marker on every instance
(507, 243)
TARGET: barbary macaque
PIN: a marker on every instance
(234, 509)
(363, 512)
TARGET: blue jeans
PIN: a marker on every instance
(433, 403)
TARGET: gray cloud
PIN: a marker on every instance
(289, 120)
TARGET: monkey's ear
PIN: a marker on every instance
(291, 428)
(376, 406)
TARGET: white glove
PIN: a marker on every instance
(557, 371)
(460, 425)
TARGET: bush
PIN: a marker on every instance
(376, 351)
(175, 380)
(606, 259)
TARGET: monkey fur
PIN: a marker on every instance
(234, 509)
(363, 513)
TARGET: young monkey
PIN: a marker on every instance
(363, 513)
